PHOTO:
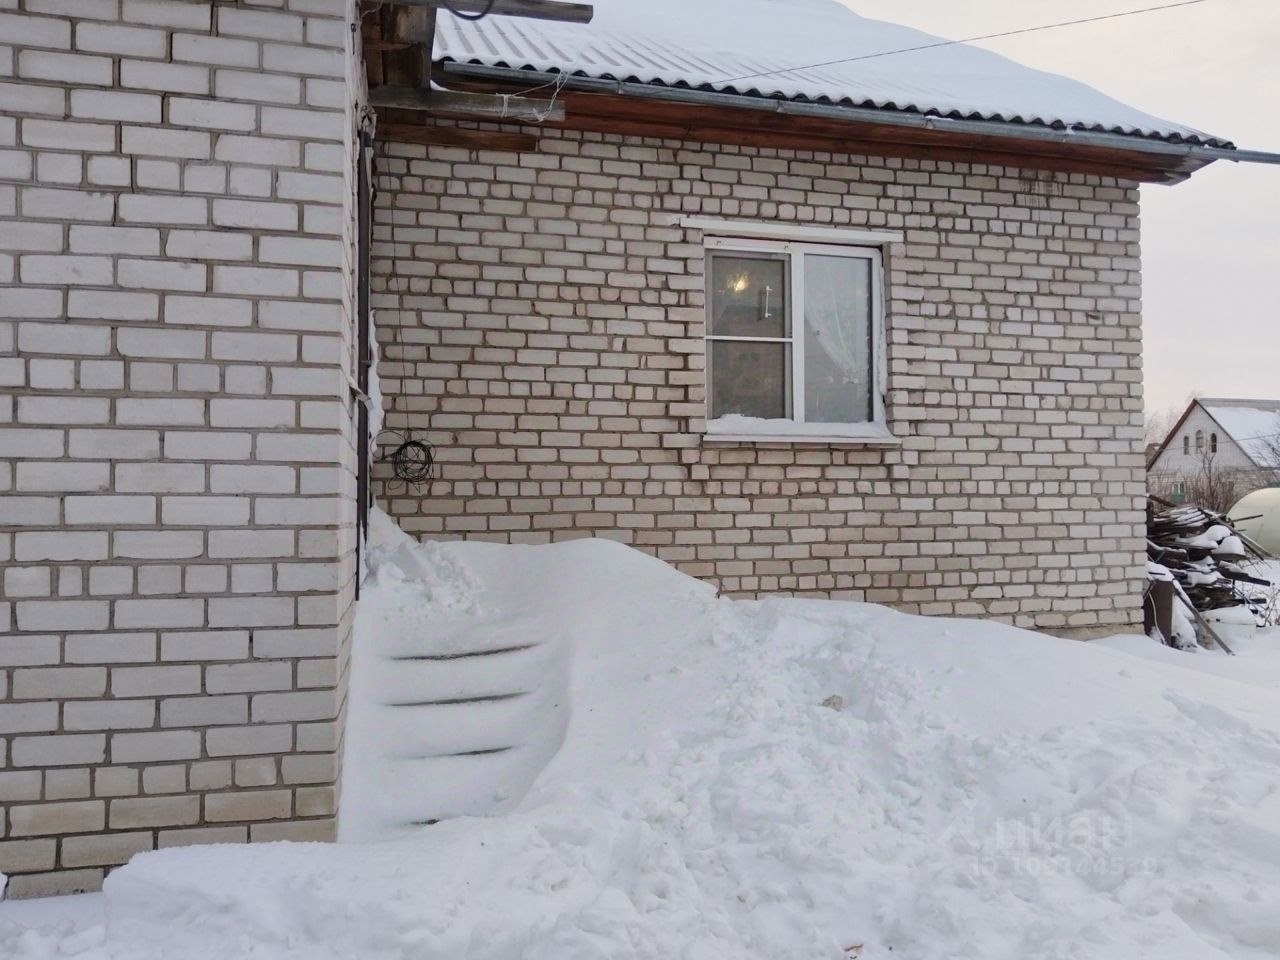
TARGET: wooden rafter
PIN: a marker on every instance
(530, 9)
(458, 137)
(474, 106)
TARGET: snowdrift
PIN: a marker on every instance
(775, 780)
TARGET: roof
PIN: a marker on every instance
(1254, 425)
(759, 48)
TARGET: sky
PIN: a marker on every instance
(1211, 245)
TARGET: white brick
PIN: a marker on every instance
(163, 275)
(228, 412)
(164, 77)
(208, 311)
(213, 114)
(60, 546)
(31, 303)
(40, 203)
(257, 87)
(111, 305)
(27, 582)
(36, 31)
(71, 339)
(134, 240)
(255, 215)
(115, 105)
(159, 613)
(66, 68)
(258, 150)
(109, 509)
(37, 476)
(78, 270)
(122, 40)
(159, 477)
(141, 208)
(209, 245)
(157, 412)
(65, 168)
(166, 13)
(215, 50)
(63, 614)
(260, 24)
(261, 347)
(286, 58)
(114, 444)
(160, 142)
(75, 410)
(232, 478)
(259, 281)
(157, 544)
(206, 445)
(206, 511)
(258, 544)
(28, 98)
(302, 251)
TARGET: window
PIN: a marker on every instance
(794, 339)
(1186, 443)
(1213, 443)
(1199, 441)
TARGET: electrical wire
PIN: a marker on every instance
(949, 43)
(469, 16)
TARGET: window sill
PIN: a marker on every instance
(766, 431)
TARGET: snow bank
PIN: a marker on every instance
(777, 779)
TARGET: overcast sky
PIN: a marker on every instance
(1211, 245)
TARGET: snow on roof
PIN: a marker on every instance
(1253, 424)
(757, 47)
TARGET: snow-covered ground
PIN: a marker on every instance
(776, 779)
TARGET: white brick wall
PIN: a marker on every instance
(175, 230)
(550, 318)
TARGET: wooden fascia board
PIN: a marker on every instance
(658, 105)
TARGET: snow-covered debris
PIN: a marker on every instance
(772, 780)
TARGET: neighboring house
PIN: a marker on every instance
(869, 330)
(1220, 449)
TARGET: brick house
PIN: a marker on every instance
(809, 334)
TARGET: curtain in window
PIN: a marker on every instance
(837, 357)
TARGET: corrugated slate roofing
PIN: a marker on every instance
(762, 48)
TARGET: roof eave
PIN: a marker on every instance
(1178, 160)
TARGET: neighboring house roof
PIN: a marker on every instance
(1252, 425)
(755, 47)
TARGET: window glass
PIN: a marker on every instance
(837, 339)
(750, 378)
(749, 296)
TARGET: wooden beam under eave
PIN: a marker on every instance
(458, 137)
(467, 106)
(530, 9)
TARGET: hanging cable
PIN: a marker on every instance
(470, 16)
(949, 43)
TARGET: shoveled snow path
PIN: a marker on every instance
(982, 792)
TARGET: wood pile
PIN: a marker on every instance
(1201, 552)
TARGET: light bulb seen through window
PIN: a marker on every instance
(739, 283)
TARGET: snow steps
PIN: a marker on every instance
(464, 723)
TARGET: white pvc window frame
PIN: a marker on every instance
(797, 427)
